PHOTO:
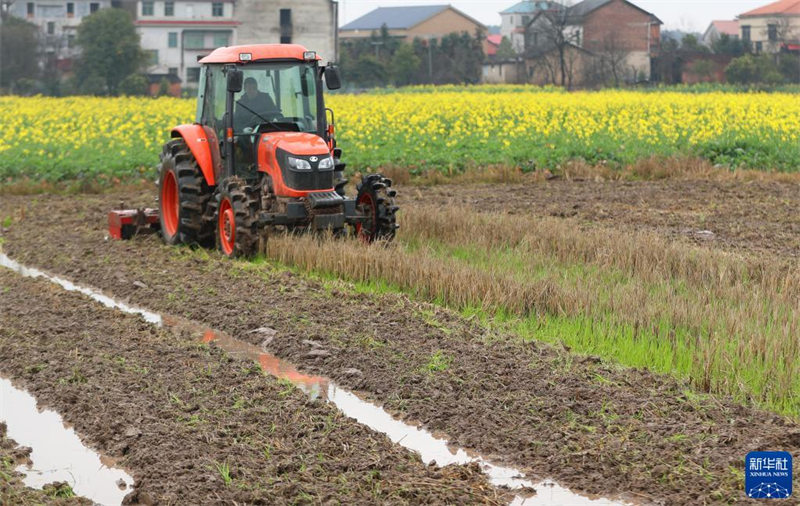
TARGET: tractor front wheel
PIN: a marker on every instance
(237, 205)
(183, 196)
(375, 201)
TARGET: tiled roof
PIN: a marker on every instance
(526, 6)
(784, 7)
(394, 17)
(728, 27)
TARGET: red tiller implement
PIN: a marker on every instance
(125, 223)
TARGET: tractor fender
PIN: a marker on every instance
(204, 149)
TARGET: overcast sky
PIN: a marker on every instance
(689, 15)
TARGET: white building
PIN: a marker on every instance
(514, 19)
(58, 22)
(175, 32)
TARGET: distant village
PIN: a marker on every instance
(590, 43)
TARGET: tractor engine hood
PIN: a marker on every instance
(296, 143)
(303, 159)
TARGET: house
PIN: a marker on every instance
(175, 32)
(492, 44)
(514, 19)
(504, 72)
(408, 23)
(603, 40)
(772, 28)
(719, 28)
(58, 24)
(310, 23)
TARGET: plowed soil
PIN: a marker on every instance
(176, 413)
(592, 426)
(746, 216)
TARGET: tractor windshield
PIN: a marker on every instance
(276, 96)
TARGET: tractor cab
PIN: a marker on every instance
(275, 89)
(261, 155)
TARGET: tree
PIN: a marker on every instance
(725, 44)
(405, 65)
(110, 49)
(18, 53)
(613, 58)
(750, 69)
(505, 51)
(691, 44)
(548, 35)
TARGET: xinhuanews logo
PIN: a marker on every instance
(768, 475)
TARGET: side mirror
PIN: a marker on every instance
(332, 79)
(235, 78)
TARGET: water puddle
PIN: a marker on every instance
(421, 441)
(58, 453)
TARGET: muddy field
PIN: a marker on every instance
(174, 411)
(747, 216)
(594, 427)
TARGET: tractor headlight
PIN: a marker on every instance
(298, 163)
(326, 163)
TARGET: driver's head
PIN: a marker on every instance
(250, 87)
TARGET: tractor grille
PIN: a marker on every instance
(304, 180)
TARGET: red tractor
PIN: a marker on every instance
(260, 156)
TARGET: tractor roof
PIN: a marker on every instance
(231, 54)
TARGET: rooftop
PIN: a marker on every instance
(526, 7)
(727, 27)
(782, 7)
(394, 17)
(586, 7)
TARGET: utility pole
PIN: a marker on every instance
(430, 61)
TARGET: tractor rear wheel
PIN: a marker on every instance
(375, 201)
(236, 209)
(183, 196)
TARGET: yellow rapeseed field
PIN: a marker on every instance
(443, 129)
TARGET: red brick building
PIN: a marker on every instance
(613, 38)
(618, 25)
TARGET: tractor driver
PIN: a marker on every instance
(252, 104)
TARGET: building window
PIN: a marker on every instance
(70, 9)
(169, 8)
(759, 47)
(151, 56)
(173, 71)
(286, 26)
(216, 9)
(30, 9)
(193, 40)
(772, 33)
(525, 20)
(220, 39)
(147, 8)
(746, 33)
(51, 28)
(70, 41)
(172, 39)
(94, 7)
(193, 74)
